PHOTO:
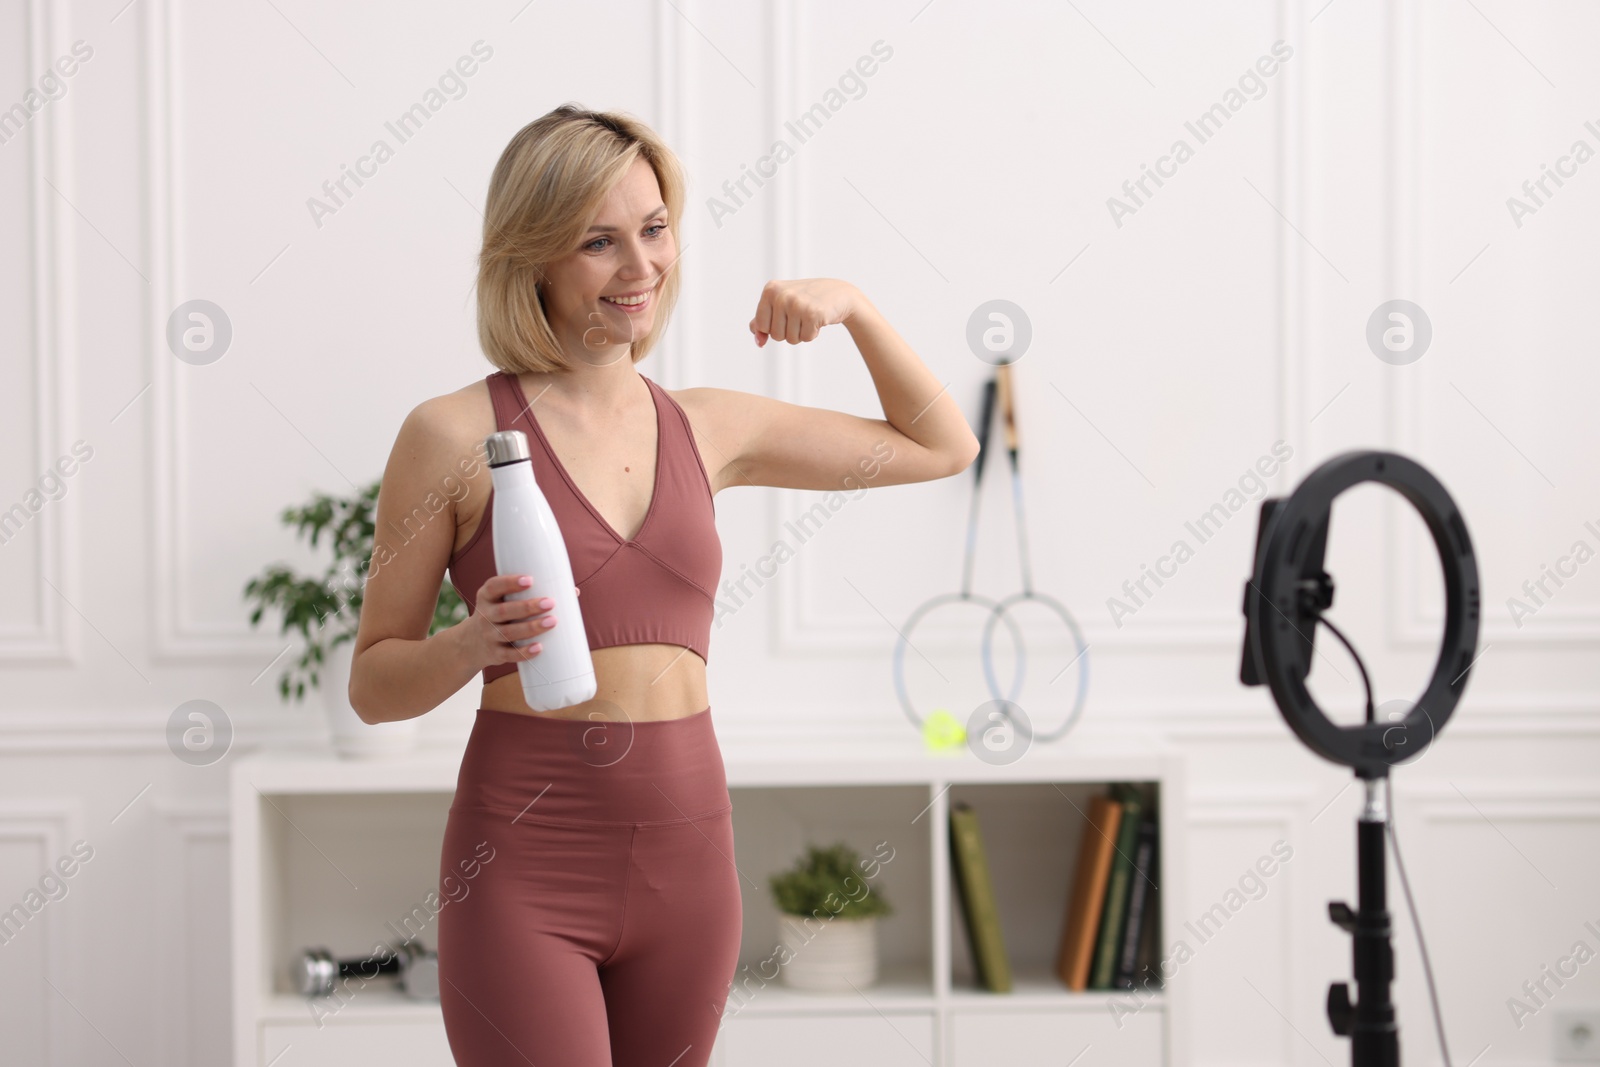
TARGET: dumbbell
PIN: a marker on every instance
(316, 972)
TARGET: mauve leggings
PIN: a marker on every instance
(604, 930)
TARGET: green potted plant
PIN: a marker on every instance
(827, 920)
(322, 611)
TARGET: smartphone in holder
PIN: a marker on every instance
(1314, 595)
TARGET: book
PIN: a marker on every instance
(1141, 903)
(1114, 910)
(1147, 964)
(978, 908)
(1089, 879)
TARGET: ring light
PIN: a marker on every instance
(1289, 589)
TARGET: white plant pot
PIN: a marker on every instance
(353, 738)
(829, 955)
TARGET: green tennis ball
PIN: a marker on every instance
(942, 731)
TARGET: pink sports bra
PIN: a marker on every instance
(658, 587)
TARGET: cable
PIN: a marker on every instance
(1399, 864)
(1371, 711)
(1416, 924)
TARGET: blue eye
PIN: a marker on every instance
(597, 240)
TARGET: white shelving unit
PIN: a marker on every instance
(338, 853)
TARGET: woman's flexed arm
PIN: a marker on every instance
(763, 441)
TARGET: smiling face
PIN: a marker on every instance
(603, 296)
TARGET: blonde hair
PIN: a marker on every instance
(544, 194)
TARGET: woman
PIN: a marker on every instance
(602, 924)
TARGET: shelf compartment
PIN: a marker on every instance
(1052, 1038)
(889, 824)
(393, 1044)
(1031, 832)
(347, 872)
(882, 1040)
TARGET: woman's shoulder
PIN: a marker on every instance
(704, 400)
(724, 414)
(704, 407)
(440, 445)
(450, 423)
(456, 407)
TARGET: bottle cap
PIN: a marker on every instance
(506, 446)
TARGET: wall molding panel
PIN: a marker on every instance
(54, 824)
(1276, 808)
(175, 637)
(185, 826)
(51, 241)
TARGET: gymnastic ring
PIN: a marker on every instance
(904, 640)
(1002, 608)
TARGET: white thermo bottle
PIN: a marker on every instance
(527, 540)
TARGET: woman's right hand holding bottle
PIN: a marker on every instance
(487, 634)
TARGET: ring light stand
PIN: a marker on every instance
(1283, 603)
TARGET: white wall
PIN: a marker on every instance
(1169, 353)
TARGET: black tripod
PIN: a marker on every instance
(1370, 1022)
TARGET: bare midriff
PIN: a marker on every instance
(634, 683)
